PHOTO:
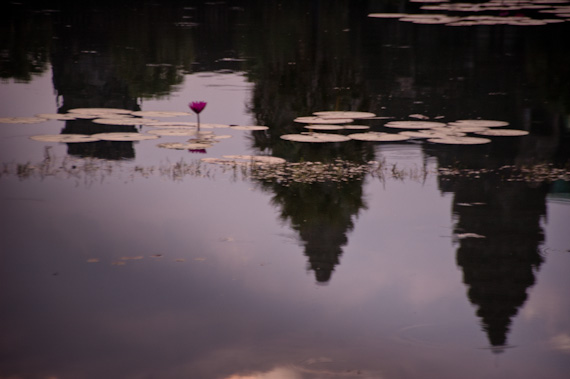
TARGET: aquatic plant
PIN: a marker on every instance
(197, 107)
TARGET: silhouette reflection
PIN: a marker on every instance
(499, 233)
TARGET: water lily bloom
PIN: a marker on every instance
(197, 107)
(199, 151)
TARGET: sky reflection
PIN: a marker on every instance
(117, 275)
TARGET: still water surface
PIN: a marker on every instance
(124, 260)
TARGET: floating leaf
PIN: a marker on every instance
(320, 120)
(344, 114)
(480, 123)
(431, 134)
(378, 137)
(67, 138)
(56, 116)
(459, 129)
(324, 127)
(253, 127)
(124, 136)
(315, 137)
(21, 120)
(419, 116)
(502, 132)
(222, 136)
(460, 140)
(123, 121)
(413, 124)
(102, 111)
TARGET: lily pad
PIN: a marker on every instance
(21, 120)
(460, 140)
(101, 111)
(123, 121)
(431, 134)
(320, 120)
(124, 136)
(66, 138)
(324, 127)
(459, 129)
(315, 137)
(344, 114)
(252, 127)
(502, 132)
(378, 137)
(480, 123)
(56, 116)
(413, 124)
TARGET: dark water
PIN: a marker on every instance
(123, 260)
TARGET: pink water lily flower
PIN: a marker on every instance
(197, 107)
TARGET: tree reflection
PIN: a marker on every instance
(322, 214)
(305, 61)
(498, 226)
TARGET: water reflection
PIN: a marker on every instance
(499, 236)
(314, 56)
(322, 214)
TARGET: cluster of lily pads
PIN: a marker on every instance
(199, 139)
(494, 12)
(453, 133)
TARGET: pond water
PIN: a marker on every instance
(391, 260)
